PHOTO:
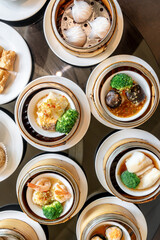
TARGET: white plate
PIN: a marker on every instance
(38, 209)
(17, 10)
(100, 68)
(83, 181)
(141, 222)
(31, 111)
(85, 113)
(139, 80)
(115, 137)
(74, 60)
(23, 217)
(136, 192)
(10, 39)
(8, 133)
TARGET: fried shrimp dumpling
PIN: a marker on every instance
(114, 233)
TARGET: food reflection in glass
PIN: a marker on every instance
(125, 97)
(49, 195)
(53, 113)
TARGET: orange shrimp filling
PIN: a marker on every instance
(114, 234)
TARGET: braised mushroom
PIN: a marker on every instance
(113, 99)
(135, 94)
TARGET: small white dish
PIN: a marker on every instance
(83, 185)
(134, 192)
(141, 222)
(58, 49)
(31, 111)
(10, 39)
(24, 9)
(91, 83)
(10, 214)
(37, 209)
(139, 80)
(9, 133)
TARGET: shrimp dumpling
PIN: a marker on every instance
(99, 28)
(137, 162)
(60, 193)
(75, 36)
(81, 11)
(149, 178)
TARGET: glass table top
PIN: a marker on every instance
(45, 62)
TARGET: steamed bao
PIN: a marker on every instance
(81, 12)
(137, 173)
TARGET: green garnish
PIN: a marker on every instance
(130, 179)
(66, 122)
(53, 210)
(121, 81)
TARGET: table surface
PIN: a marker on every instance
(45, 62)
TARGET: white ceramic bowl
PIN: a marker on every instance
(37, 209)
(135, 192)
(139, 80)
(31, 109)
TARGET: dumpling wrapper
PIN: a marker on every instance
(149, 178)
(137, 162)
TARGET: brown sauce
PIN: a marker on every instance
(127, 108)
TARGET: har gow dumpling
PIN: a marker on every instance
(149, 178)
(99, 28)
(81, 11)
(137, 162)
(75, 36)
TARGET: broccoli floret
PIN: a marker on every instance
(53, 210)
(121, 81)
(66, 122)
(130, 179)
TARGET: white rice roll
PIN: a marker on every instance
(149, 178)
(137, 162)
(144, 170)
(114, 233)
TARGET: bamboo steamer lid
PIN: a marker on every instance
(19, 226)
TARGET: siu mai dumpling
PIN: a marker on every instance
(137, 162)
(149, 178)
